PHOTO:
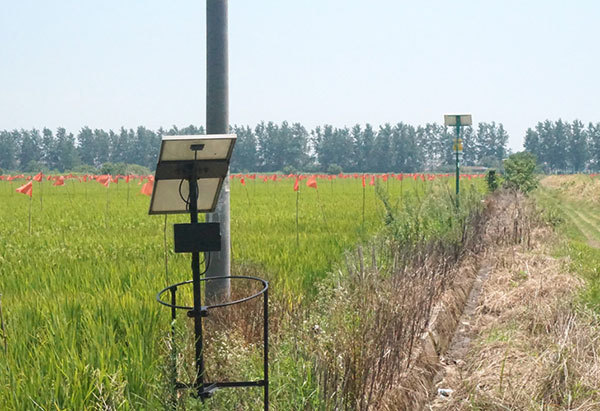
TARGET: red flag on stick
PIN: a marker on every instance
(26, 189)
(312, 181)
(296, 185)
(60, 181)
(147, 188)
(363, 181)
(243, 181)
(372, 183)
(38, 177)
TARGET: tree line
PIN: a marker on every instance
(562, 147)
(267, 147)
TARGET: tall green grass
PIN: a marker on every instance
(568, 217)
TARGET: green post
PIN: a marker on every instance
(456, 150)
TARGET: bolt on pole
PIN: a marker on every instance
(217, 122)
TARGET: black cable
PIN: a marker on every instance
(207, 259)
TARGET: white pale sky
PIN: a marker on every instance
(113, 63)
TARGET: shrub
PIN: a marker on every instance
(492, 180)
(334, 169)
(519, 171)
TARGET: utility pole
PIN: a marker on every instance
(217, 122)
(457, 146)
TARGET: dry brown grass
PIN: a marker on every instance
(576, 187)
(387, 352)
(534, 349)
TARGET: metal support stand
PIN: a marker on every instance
(206, 389)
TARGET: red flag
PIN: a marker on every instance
(26, 189)
(363, 181)
(372, 183)
(104, 180)
(60, 181)
(38, 177)
(296, 185)
(127, 178)
(147, 188)
(243, 181)
(312, 181)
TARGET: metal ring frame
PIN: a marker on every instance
(206, 279)
(206, 390)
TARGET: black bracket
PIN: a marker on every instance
(194, 313)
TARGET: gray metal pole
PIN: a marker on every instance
(457, 147)
(217, 122)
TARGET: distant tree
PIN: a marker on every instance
(558, 151)
(144, 147)
(334, 169)
(363, 144)
(113, 168)
(9, 145)
(593, 133)
(191, 130)
(432, 142)
(245, 153)
(65, 148)
(577, 147)
(405, 153)
(532, 142)
(271, 146)
(30, 149)
(86, 145)
(296, 153)
(381, 149)
(547, 142)
(332, 146)
(49, 151)
(491, 141)
(471, 154)
(105, 150)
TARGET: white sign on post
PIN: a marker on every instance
(450, 119)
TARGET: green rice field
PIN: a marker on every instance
(82, 327)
